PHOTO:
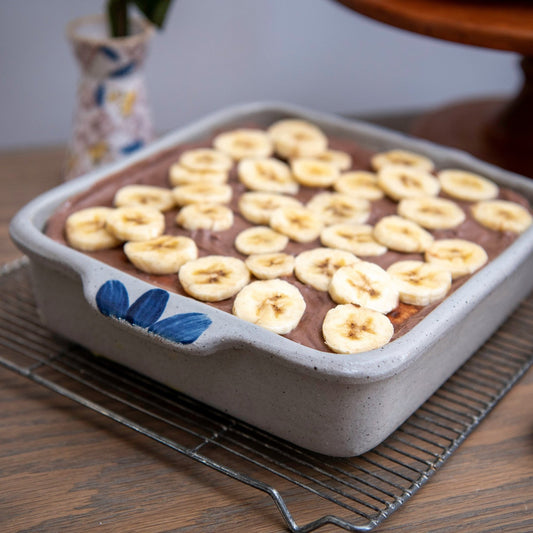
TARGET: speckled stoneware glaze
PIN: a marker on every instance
(340, 405)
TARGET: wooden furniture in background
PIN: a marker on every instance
(498, 130)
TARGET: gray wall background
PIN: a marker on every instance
(214, 53)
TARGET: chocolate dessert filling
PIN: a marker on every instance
(154, 171)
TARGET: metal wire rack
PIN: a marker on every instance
(355, 494)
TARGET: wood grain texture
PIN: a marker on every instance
(66, 468)
(499, 25)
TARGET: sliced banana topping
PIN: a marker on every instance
(135, 223)
(180, 175)
(401, 157)
(350, 329)
(297, 138)
(359, 183)
(257, 207)
(244, 142)
(260, 240)
(316, 267)
(402, 235)
(267, 175)
(420, 283)
(86, 230)
(401, 181)
(270, 266)
(365, 284)
(312, 172)
(502, 215)
(458, 256)
(162, 255)
(431, 212)
(214, 277)
(214, 217)
(298, 223)
(337, 208)
(274, 304)
(144, 195)
(467, 186)
(342, 160)
(356, 238)
(195, 193)
(206, 159)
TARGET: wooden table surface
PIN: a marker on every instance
(66, 468)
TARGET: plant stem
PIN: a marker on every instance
(117, 11)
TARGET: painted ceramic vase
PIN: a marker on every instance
(112, 116)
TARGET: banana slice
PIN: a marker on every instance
(274, 304)
(459, 256)
(86, 230)
(206, 159)
(270, 266)
(401, 181)
(144, 195)
(313, 172)
(213, 278)
(214, 217)
(401, 157)
(298, 223)
(267, 175)
(431, 212)
(244, 142)
(337, 208)
(359, 183)
(257, 207)
(162, 255)
(260, 240)
(355, 238)
(195, 193)
(365, 284)
(316, 267)
(136, 223)
(402, 235)
(420, 283)
(180, 175)
(350, 329)
(342, 160)
(467, 186)
(297, 138)
(502, 215)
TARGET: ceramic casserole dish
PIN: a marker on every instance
(335, 404)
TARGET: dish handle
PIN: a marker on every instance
(129, 301)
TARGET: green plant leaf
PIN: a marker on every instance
(154, 10)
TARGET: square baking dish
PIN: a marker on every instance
(340, 405)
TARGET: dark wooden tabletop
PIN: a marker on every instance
(64, 467)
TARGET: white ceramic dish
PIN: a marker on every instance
(339, 405)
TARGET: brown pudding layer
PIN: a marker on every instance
(154, 171)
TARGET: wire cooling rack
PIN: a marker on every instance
(355, 494)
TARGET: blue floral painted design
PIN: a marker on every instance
(112, 300)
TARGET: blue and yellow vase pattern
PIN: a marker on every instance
(112, 116)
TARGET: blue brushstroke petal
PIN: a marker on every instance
(99, 95)
(123, 71)
(184, 328)
(112, 299)
(147, 308)
(110, 53)
(129, 148)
